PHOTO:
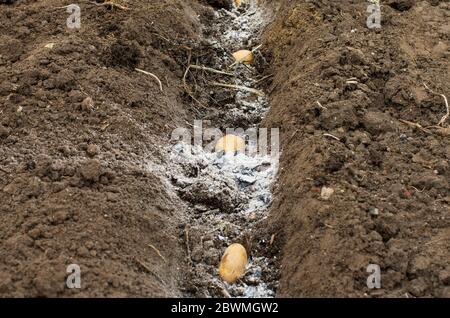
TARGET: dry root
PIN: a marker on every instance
(243, 88)
(152, 75)
(112, 4)
(415, 125)
(440, 129)
(203, 68)
(445, 117)
(332, 136)
(157, 252)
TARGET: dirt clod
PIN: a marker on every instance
(87, 104)
(92, 150)
(91, 170)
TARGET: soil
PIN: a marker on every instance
(390, 204)
(78, 129)
(87, 173)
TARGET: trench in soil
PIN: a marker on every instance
(226, 194)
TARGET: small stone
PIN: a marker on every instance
(419, 264)
(112, 197)
(445, 292)
(246, 180)
(211, 257)
(76, 96)
(377, 123)
(33, 188)
(403, 137)
(444, 276)
(87, 104)
(60, 217)
(197, 254)
(91, 170)
(65, 80)
(4, 132)
(208, 244)
(92, 150)
(89, 245)
(417, 287)
(326, 193)
(200, 208)
(5, 282)
(35, 233)
(374, 211)
(265, 198)
(221, 192)
(253, 276)
(251, 216)
(10, 188)
(83, 251)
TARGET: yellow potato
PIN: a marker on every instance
(231, 143)
(244, 56)
(233, 263)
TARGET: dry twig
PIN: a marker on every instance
(112, 4)
(149, 270)
(157, 252)
(331, 136)
(203, 68)
(264, 78)
(188, 249)
(416, 125)
(4, 170)
(436, 241)
(445, 117)
(225, 292)
(244, 88)
(321, 106)
(153, 75)
(208, 69)
(272, 239)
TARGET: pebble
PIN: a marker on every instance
(246, 180)
(326, 193)
(92, 150)
(91, 170)
(82, 251)
(444, 276)
(87, 104)
(374, 211)
(4, 132)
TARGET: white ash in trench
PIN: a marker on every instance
(227, 195)
(223, 181)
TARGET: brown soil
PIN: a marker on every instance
(379, 163)
(74, 183)
(79, 128)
